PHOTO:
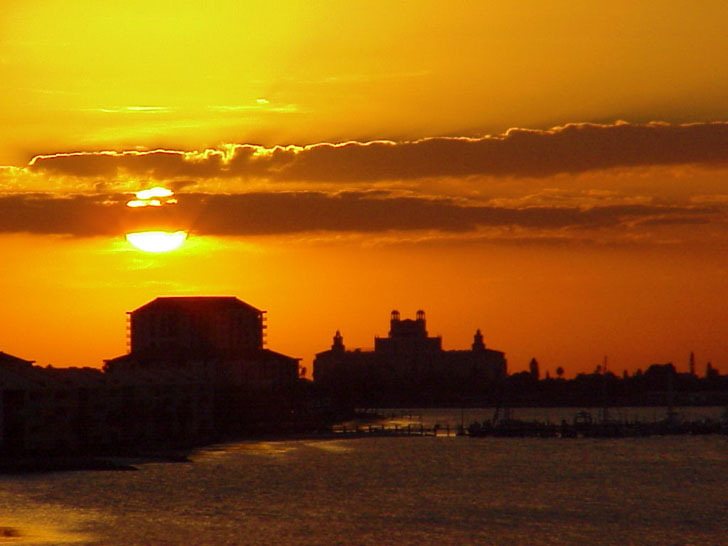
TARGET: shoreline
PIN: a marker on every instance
(370, 422)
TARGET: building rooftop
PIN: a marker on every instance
(6, 358)
(197, 303)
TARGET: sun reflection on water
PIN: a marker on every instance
(34, 528)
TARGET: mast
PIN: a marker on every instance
(671, 414)
(605, 405)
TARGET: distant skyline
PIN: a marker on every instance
(553, 173)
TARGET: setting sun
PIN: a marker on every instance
(157, 241)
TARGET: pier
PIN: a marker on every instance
(395, 430)
(582, 426)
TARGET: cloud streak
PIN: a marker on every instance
(303, 212)
(573, 148)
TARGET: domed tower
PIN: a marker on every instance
(338, 344)
(478, 344)
(394, 321)
(420, 317)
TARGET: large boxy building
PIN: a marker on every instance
(408, 365)
(222, 336)
(199, 326)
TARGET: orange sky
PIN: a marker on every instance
(554, 173)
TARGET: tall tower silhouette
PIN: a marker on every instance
(478, 344)
(338, 344)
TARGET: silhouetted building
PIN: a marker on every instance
(197, 370)
(533, 369)
(221, 338)
(10, 360)
(51, 410)
(198, 326)
(220, 341)
(408, 366)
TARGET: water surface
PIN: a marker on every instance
(410, 490)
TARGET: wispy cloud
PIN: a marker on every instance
(353, 77)
(261, 105)
(132, 110)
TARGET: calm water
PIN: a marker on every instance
(661, 490)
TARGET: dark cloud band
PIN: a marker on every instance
(300, 212)
(572, 148)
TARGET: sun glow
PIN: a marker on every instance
(157, 241)
(150, 198)
(154, 192)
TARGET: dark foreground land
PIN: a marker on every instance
(372, 424)
(61, 463)
(659, 385)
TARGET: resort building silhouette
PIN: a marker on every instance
(407, 366)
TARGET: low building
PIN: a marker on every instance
(47, 410)
(408, 366)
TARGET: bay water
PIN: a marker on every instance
(670, 490)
